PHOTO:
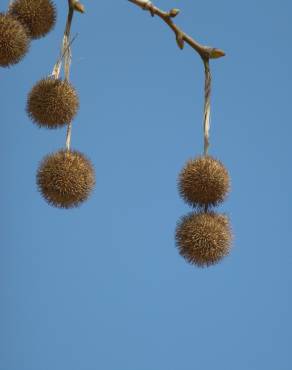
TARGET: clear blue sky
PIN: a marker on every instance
(103, 286)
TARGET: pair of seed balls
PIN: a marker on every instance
(25, 20)
(204, 237)
(66, 178)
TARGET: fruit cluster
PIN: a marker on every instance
(24, 21)
(203, 237)
(65, 178)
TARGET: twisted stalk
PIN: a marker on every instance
(67, 62)
(207, 105)
(205, 52)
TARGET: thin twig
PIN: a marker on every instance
(206, 52)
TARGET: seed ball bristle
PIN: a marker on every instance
(204, 181)
(14, 41)
(39, 16)
(65, 178)
(203, 238)
(52, 103)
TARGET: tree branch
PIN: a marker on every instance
(205, 52)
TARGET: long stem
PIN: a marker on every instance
(66, 41)
(207, 105)
(66, 55)
(67, 61)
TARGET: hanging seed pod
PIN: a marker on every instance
(65, 178)
(204, 181)
(14, 41)
(39, 16)
(52, 103)
(203, 239)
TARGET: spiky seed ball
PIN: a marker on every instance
(65, 178)
(39, 16)
(203, 238)
(204, 181)
(52, 103)
(14, 41)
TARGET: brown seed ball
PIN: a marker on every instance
(204, 181)
(203, 238)
(65, 178)
(14, 41)
(52, 103)
(39, 16)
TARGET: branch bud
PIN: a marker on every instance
(78, 7)
(216, 53)
(180, 40)
(174, 12)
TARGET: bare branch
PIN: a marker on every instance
(206, 52)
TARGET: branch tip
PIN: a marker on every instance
(78, 6)
(216, 53)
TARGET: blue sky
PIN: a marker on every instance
(103, 286)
